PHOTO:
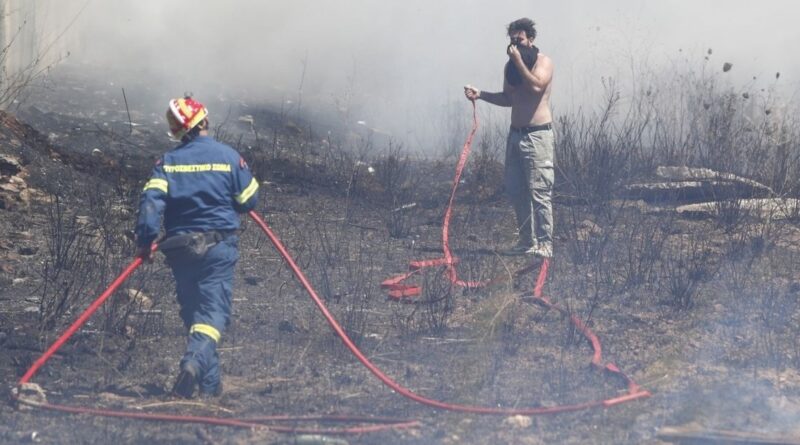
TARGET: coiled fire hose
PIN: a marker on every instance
(400, 291)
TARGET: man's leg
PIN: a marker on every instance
(539, 147)
(516, 184)
(214, 310)
(185, 273)
(185, 289)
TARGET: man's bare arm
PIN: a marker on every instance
(538, 78)
(502, 99)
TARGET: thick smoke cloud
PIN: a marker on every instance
(400, 64)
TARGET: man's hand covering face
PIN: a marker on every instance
(529, 56)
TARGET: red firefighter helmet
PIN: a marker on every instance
(184, 114)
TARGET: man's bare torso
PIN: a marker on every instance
(527, 107)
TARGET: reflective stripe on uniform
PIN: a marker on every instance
(248, 192)
(194, 168)
(158, 184)
(206, 329)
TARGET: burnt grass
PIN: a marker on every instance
(702, 313)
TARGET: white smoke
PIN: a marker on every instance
(401, 64)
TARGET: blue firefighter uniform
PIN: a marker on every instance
(200, 186)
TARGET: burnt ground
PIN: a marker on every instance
(702, 313)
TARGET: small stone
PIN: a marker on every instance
(16, 179)
(518, 422)
(588, 229)
(10, 188)
(727, 66)
(138, 297)
(25, 196)
(9, 165)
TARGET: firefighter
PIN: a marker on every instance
(199, 188)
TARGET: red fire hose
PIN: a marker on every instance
(396, 287)
(633, 390)
(379, 424)
(82, 319)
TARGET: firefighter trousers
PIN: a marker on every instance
(204, 287)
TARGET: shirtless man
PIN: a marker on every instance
(529, 148)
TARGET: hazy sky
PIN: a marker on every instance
(397, 61)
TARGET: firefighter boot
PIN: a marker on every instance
(186, 383)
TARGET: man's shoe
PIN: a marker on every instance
(544, 250)
(186, 384)
(520, 249)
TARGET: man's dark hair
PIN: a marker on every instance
(523, 24)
